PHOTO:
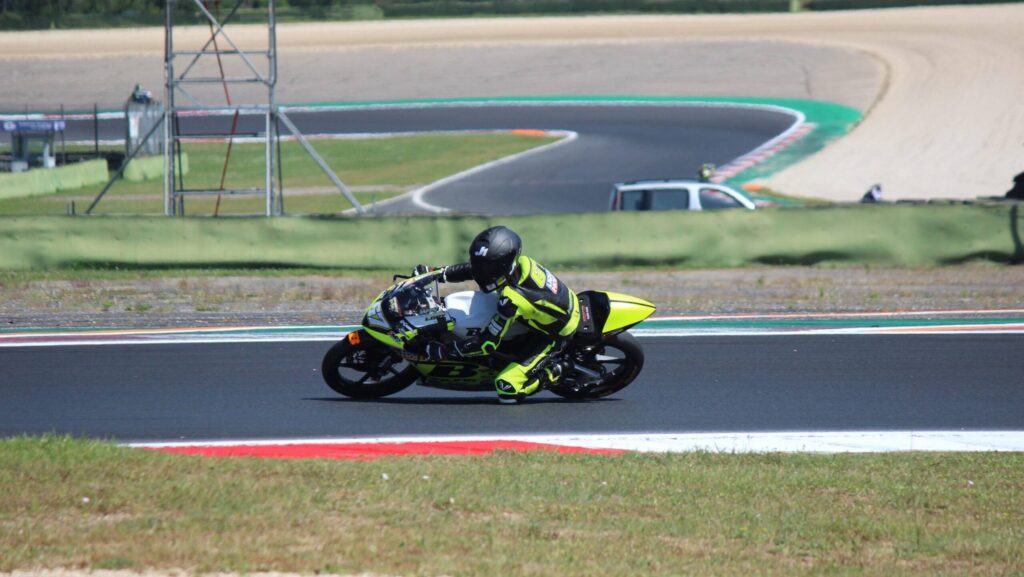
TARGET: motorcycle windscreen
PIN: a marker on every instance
(626, 311)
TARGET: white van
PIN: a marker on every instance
(676, 195)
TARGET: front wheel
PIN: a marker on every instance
(618, 361)
(366, 370)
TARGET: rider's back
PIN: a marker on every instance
(540, 300)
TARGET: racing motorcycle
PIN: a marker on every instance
(600, 359)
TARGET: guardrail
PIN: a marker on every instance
(886, 235)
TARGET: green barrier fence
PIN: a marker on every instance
(41, 181)
(900, 235)
(151, 167)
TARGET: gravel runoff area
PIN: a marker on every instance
(940, 85)
(326, 300)
(122, 573)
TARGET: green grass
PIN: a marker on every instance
(129, 16)
(393, 165)
(68, 503)
(20, 277)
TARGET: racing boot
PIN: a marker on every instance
(510, 394)
(553, 374)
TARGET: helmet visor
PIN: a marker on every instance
(490, 274)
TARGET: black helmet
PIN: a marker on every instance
(493, 256)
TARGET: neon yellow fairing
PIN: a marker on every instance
(626, 311)
(383, 337)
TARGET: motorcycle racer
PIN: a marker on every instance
(527, 293)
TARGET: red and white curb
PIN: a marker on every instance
(368, 449)
(722, 442)
(765, 151)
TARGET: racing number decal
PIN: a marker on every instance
(453, 371)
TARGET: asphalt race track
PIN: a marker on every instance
(695, 384)
(230, 391)
(616, 142)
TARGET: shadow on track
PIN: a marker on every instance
(454, 401)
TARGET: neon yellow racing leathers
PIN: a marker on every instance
(535, 297)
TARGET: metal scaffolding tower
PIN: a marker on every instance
(247, 79)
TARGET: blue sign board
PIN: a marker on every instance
(33, 126)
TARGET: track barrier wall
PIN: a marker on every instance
(40, 181)
(147, 168)
(151, 167)
(888, 235)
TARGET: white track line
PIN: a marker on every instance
(723, 442)
(1009, 329)
(873, 314)
(143, 338)
(418, 195)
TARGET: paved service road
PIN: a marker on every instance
(616, 142)
(694, 384)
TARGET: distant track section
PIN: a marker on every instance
(617, 141)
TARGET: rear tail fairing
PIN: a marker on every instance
(604, 314)
(626, 311)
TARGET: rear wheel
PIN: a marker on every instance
(618, 361)
(366, 371)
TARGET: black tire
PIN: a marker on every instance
(366, 371)
(620, 368)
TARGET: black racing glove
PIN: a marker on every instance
(457, 272)
(451, 273)
(427, 349)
